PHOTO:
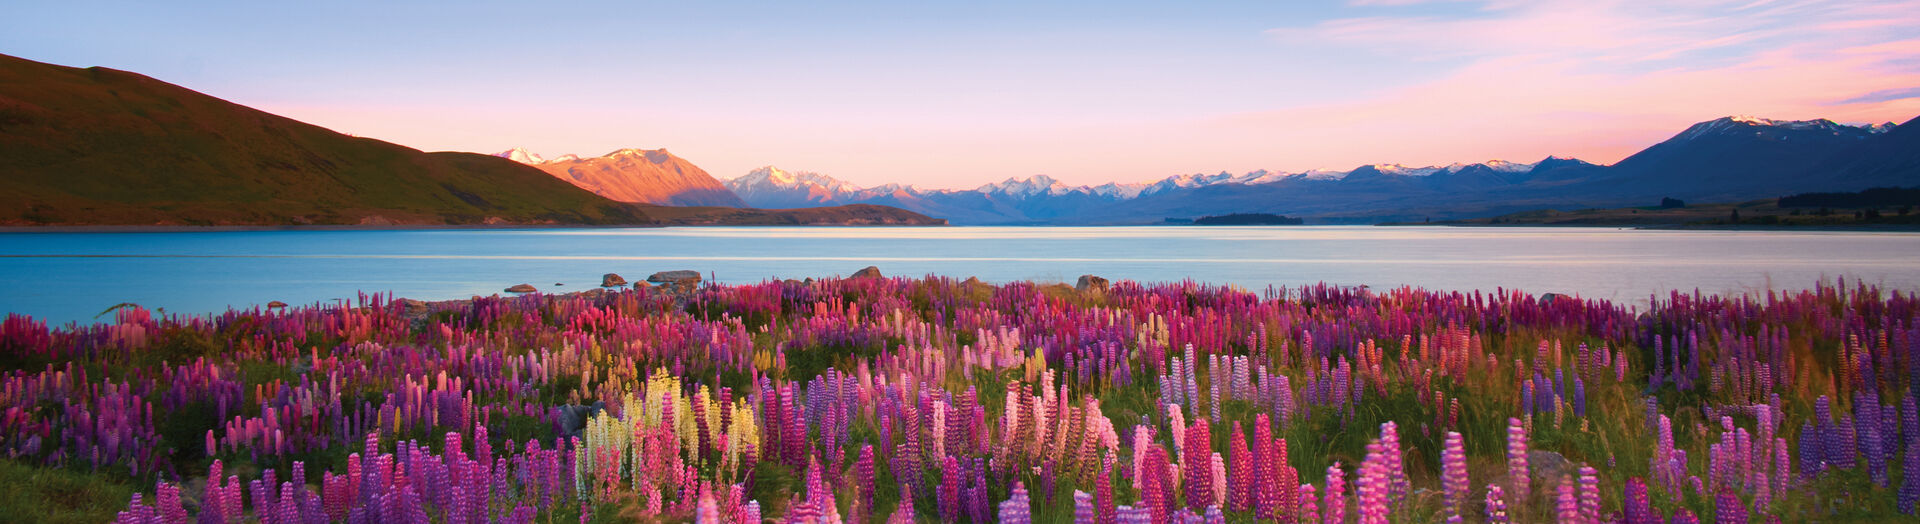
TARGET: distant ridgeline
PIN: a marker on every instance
(1248, 219)
(1876, 197)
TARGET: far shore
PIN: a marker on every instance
(394, 227)
(1890, 228)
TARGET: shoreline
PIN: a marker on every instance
(426, 227)
(1862, 228)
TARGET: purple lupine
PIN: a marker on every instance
(1910, 478)
(1016, 510)
(1083, 511)
(1496, 508)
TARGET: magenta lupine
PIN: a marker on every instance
(1240, 470)
(1727, 508)
(1156, 489)
(1103, 492)
(1635, 504)
(1453, 473)
(1196, 470)
(1336, 498)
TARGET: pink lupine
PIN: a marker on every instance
(1517, 459)
(1309, 511)
(1453, 473)
(1566, 506)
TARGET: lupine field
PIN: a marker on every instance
(940, 400)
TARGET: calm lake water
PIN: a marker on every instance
(65, 277)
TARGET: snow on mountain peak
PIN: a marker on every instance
(1022, 188)
(775, 178)
(521, 155)
(1745, 124)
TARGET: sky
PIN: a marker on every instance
(958, 94)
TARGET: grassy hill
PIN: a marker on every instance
(98, 146)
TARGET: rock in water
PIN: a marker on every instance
(675, 277)
(521, 288)
(612, 280)
(276, 305)
(1091, 282)
(868, 272)
(1550, 297)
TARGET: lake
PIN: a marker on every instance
(71, 276)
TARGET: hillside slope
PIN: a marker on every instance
(102, 146)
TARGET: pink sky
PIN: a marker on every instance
(950, 95)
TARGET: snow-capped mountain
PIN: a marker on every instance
(1749, 124)
(1726, 159)
(635, 175)
(522, 156)
(775, 188)
(1026, 187)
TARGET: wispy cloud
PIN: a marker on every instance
(1884, 95)
(1608, 77)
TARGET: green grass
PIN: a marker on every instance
(57, 495)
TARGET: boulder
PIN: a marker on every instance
(1550, 297)
(573, 417)
(276, 305)
(1091, 282)
(521, 288)
(612, 280)
(675, 277)
(868, 272)
(1548, 467)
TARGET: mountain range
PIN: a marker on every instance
(99, 146)
(1723, 160)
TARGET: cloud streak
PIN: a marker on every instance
(1602, 79)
